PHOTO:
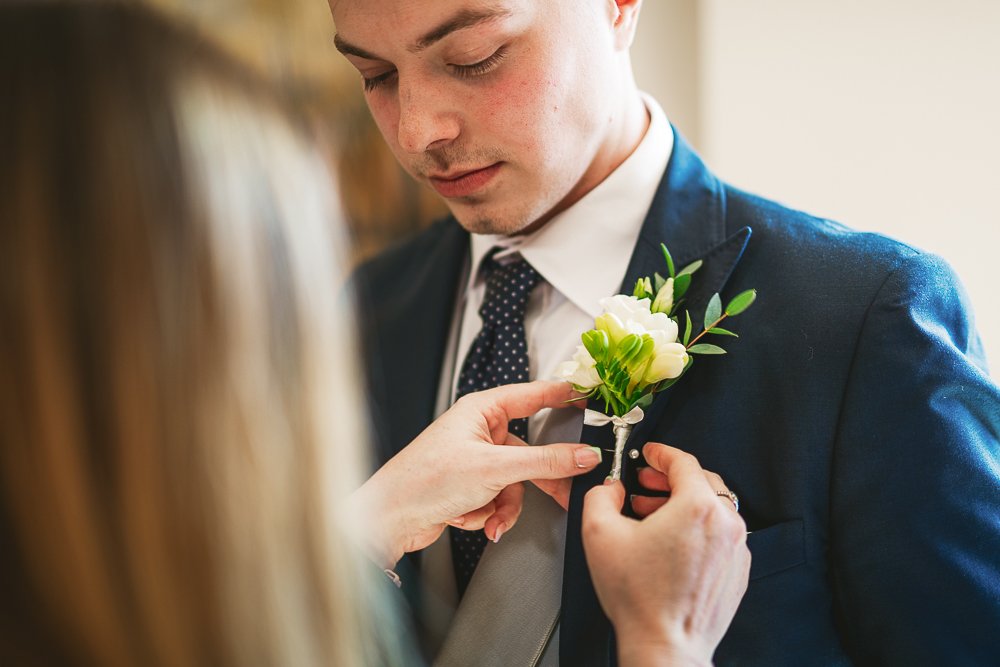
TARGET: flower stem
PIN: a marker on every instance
(707, 329)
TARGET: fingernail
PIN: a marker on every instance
(501, 529)
(587, 457)
(608, 480)
(460, 521)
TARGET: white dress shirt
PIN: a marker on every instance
(582, 255)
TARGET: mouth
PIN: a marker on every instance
(464, 183)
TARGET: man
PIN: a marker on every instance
(854, 418)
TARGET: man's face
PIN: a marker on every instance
(504, 107)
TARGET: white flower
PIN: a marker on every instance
(664, 300)
(634, 316)
(669, 359)
(580, 371)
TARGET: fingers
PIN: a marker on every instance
(604, 500)
(602, 508)
(519, 464)
(557, 489)
(475, 519)
(684, 474)
(653, 479)
(646, 505)
(508, 504)
(525, 399)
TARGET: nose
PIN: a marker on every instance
(426, 118)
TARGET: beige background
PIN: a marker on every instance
(881, 114)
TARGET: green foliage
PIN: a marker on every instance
(719, 331)
(705, 348)
(687, 328)
(690, 268)
(669, 260)
(713, 312)
(681, 285)
(658, 282)
(596, 341)
(741, 302)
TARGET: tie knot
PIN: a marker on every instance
(507, 289)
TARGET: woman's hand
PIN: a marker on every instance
(458, 472)
(671, 582)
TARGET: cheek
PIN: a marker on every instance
(386, 115)
(524, 113)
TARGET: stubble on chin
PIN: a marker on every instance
(484, 223)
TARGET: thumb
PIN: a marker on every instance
(602, 507)
(603, 501)
(520, 464)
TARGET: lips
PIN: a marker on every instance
(465, 183)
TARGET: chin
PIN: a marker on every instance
(479, 223)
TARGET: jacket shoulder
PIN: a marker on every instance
(804, 244)
(404, 257)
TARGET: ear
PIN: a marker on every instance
(626, 21)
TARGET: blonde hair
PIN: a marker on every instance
(179, 406)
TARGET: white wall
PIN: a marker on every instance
(881, 114)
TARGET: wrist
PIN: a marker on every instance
(644, 649)
(379, 527)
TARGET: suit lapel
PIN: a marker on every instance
(688, 215)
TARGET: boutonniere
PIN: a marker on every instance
(635, 349)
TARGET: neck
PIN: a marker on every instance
(627, 127)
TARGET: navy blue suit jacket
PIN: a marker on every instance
(855, 419)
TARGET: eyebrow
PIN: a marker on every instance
(465, 18)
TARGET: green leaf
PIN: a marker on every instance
(658, 282)
(714, 311)
(639, 291)
(681, 285)
(690, 268)
(596, 341)
(705, 348)
(670, 260)
(719, 331)
(627, 346)
(687, 327)
(741, 302)
(645, 401)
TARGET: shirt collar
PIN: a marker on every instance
(584, 251)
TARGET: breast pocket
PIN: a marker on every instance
(776, 548)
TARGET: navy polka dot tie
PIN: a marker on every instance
(499, 356)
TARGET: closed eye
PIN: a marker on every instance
(482, 67)
(371, 83)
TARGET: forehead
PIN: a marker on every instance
(410, 20)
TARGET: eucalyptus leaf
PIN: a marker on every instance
(687, 327)
(670, 261)
(719, 331)
(705, 348)
(741, 302)
(645, 401)
(658, 282)
(690, 268)
(681, 285)
(714, 311)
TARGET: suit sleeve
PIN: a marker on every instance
(915, 533)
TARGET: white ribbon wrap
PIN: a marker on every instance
(622, 429)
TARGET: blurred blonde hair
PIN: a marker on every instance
(179, 405)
